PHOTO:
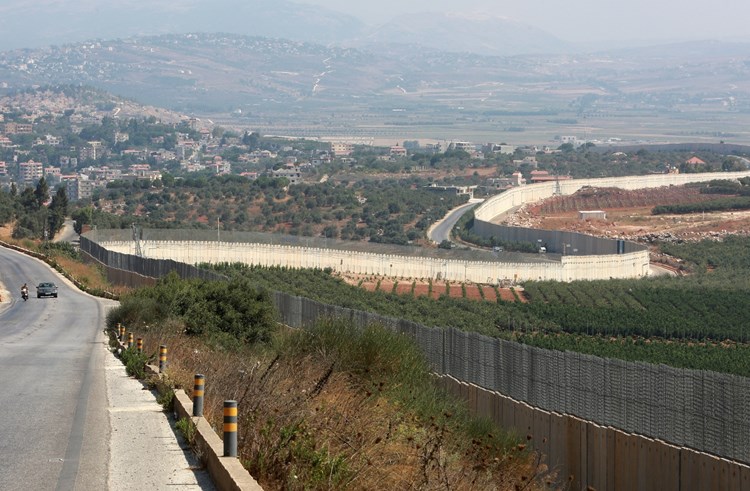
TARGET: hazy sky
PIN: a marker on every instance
(584, 20)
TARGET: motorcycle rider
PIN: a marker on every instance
(25, 291)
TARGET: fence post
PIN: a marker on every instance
(162, 358)
(198, 391)
(230, 428)
(139, 345)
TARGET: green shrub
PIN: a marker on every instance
(188, 429)
(233, 307)
(135, 362)
(165, 397)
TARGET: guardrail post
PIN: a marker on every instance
(130, 340)
(139, 345)
(198, 391)
(230, 428)
(162, 358)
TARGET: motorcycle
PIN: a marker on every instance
(25, 294)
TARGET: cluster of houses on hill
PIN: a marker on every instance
(84, 168)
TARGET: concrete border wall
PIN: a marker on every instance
(566, 268)
(587, 258)
(594, 258)
(502, 203)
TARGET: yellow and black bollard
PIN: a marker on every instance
(139, 345)
(119, 330)
(162, 358)
(230, 428)
(122, 333)
(198, 391)
(130, 340)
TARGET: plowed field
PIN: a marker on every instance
(470, 291)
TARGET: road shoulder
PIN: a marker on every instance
(146, 451)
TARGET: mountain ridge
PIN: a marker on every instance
(293, 87)
(58, 23)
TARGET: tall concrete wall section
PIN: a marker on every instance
(512, 198)
(567, 268)
(633, 265)
(595, 258)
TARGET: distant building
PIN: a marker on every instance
(135, 153)
(188, 166)
(48, 140)
(397, 151)
(503, 149)
(30, 171)
(291, 172)
(695, 161)
(494, 185)
(320, 160)
(465, 146)
(592, 215)
(103, 173)
(93, 150)
(544, 176)
(220, 166)
(52, 174)
(79, 188)
(341, 149)
(433, 148)
(469, 190)
(573, 140)
(18, 128)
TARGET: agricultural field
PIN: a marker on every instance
(434, 289)
(695, 321)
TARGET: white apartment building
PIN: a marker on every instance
(30, 171)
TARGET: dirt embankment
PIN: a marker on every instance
(629, 215)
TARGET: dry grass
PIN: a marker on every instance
(305, 422)
(89, 274)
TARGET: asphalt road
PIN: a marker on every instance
(70, 417)
(442, 230)
(53, 417)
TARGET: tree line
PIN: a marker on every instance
(34, 215)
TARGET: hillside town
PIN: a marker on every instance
(83, 146)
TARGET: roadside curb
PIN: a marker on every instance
(227, 473)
